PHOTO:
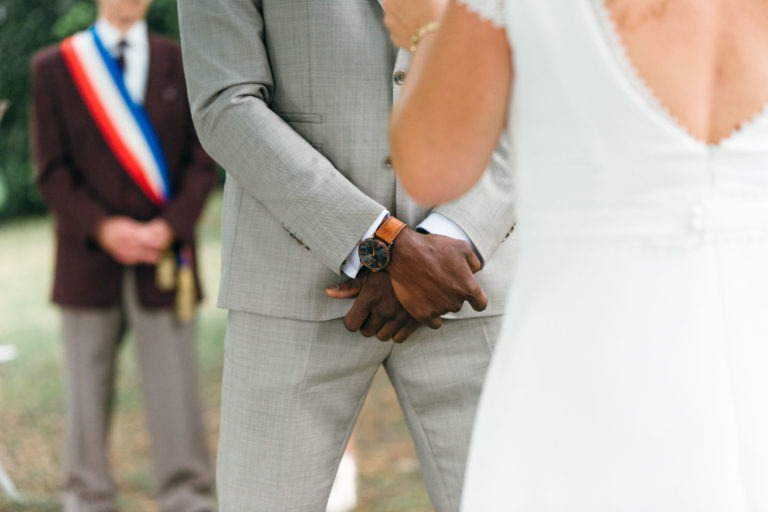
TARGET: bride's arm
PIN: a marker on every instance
(453, 106)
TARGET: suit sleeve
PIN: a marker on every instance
(77, 210)
(230, 86)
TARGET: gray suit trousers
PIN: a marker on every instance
(166, 355)
(292, 391)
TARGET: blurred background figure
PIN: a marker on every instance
(119, 165)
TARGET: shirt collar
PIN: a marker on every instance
(136, 36)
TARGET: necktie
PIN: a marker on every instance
(121, 54)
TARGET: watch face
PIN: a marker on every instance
(373, 253)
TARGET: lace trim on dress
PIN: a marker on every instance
(633, 74)
(628, 67)
(491, 10)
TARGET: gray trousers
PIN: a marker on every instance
(292, 392)
(167, 362)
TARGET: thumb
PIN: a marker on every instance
(345, 290)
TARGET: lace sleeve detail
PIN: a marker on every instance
(491, 10)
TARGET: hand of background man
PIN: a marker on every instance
(122, 237)
(376, 310)
(433, 274)
(156, 234)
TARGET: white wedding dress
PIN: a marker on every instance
(632, 371)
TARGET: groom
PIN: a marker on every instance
(292, 98)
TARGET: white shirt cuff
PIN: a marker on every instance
(352, 265)
(438, 224)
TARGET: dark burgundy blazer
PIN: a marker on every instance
(82, 181)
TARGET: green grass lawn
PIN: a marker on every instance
(31, 395)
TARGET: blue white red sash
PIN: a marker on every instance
(124, 123)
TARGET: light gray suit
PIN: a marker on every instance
(292, 98)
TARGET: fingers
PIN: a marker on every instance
(405, 331)
(156, 233)
(478, 300)
(388, 329)
(132, 253)
(152, 256)
(381, 317)
(372, 325)
(356, 317)
(475, 265)
(385, 327)
(123, 239)
(434, 322)
(428, 315)
(346, 290)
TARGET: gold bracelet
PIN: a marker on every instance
(424, 31)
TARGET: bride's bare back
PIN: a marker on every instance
(705, 60)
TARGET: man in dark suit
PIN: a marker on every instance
(119, 164)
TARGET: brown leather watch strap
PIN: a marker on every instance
(389, 229)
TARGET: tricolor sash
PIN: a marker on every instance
(124, 123)
(131, 137)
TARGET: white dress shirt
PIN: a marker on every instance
(136, 54)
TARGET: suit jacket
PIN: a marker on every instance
(292, 98)
(83, 182)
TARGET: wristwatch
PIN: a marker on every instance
(374, 251)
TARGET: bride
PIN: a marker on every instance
(632, 371)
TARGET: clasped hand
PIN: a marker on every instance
(376, 310)
(131, 242)
(433, 275)
(429, 276)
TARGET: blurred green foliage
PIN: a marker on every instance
(162, 18)
(25, 27)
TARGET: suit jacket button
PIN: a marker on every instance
(399, 77)
(387, 162)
